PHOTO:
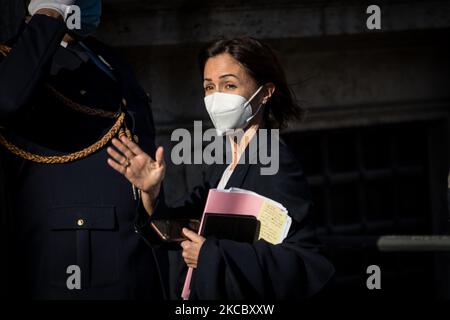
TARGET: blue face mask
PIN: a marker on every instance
(91, 12)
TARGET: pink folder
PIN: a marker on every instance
(226, 202)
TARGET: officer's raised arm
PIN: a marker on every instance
(26, 63)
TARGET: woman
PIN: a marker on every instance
(245, 88)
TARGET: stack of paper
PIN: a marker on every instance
(273, 216)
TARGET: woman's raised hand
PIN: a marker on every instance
(138, 167)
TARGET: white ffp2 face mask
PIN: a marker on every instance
(230, 111)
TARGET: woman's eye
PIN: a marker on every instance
(208, 88)
(230, 87)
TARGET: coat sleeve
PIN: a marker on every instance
(293, 269)
(22, 70)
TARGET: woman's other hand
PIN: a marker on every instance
(191, 247)
(139, 168)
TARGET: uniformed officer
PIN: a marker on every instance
(71, 229)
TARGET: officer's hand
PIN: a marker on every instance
(137, 166)
(59, 6)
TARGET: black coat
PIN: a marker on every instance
(47, 201)
(227, 269)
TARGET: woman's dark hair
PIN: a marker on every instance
(264, 67)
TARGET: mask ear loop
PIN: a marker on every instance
(254, 95)
(259, 108)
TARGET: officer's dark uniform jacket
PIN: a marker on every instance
(80, 213)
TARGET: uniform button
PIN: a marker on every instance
(83, 92)
(136, 138)
(80, 222)
(124, 102)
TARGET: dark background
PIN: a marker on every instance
(375, 143)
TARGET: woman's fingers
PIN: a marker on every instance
(190, 253)
(189, 259)
(192, 263)
(117, 157)
(123, 148)
(160, 156)
(131, 145)
(191, 235)
(138, 167)
(185, 244)
(117, 167)
(130, 149)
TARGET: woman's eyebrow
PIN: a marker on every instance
(223, 76)
(229, 75)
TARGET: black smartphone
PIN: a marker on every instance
(170, 230)
(240, 228)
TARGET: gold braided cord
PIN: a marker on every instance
(119, 129)
(115, 129)
(80, 108)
